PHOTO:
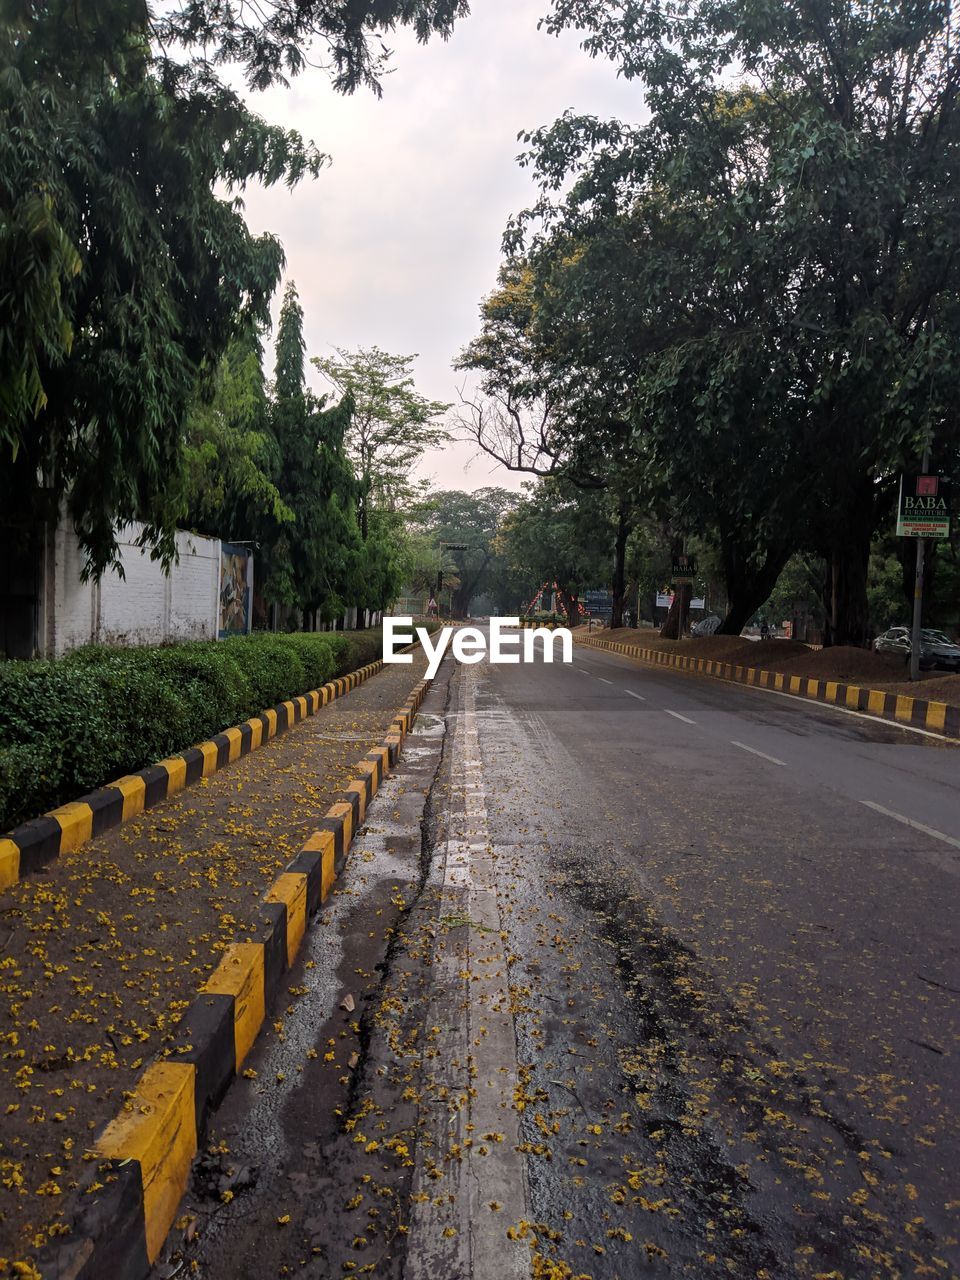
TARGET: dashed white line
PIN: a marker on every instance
(677, 716)
(584, 671)
(754, 752)
(604, 679)
(910, 822)
(639, 696)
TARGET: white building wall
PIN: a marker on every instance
(146, 606)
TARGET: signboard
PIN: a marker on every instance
(924, 507)
(236, 590)
(684, 568)
(598, 603)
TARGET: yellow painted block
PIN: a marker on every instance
(160, 1133)
(853, 696)
(812, 688)
(359, 787)
(751, 675)
(904, 708)
(314, 696)
(176, 768)
(830, 693)
(302, 704)
(240, 974)
(778, 680)
(344, 811)
(291, 713)
(9, 863)
(764, 679)
(936, 716)
(209, 752)
(291, 889)
(236, 741)
(875, 701)
(134, 792)
(369, 769)
(323, 843)
(796, 684)
(256, 733)
(271, 723)
(76, 823)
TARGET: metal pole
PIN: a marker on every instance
(918, 588)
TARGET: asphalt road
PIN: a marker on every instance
(660, 976)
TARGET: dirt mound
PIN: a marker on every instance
(845, 663)
(735, 649)
(934, 686)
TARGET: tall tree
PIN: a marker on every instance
(230, 457)
(125, 265)
(392, 424)
(777, 253)
(559, 534)
(126, 275)
(546, 416)
(314, 562)
(470, 522)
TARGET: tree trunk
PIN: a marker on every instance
(845, 595)
(675, 623)
(569, 601)
(748, 585)
(619, 568)
(848, 562)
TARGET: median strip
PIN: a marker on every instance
(129, 1198)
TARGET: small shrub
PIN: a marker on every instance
(69, 726)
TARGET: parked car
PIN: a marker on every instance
(936, 648)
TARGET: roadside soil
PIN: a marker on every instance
(101, 955)
(843, 663)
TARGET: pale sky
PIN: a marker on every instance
(395, 244)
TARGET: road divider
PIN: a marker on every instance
(129, 1198)
(33, 844)
(917, 713)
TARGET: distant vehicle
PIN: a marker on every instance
(706, 626)
(936, 648)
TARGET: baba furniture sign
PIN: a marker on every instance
(924, 507)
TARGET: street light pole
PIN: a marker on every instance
(915, 641)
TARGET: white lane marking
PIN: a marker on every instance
(584, 671)
(754, 752)
(909, 822)
(604, 679)
(677, 716)
(639, 696)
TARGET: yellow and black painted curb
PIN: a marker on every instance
(935, 717)
(531, 624)
(35, 843)
(133, 1190)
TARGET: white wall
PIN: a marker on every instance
(146, 606)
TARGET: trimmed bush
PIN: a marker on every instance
(69, 726)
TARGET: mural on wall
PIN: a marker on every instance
(236, 590)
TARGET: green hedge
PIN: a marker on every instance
(69, 726)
